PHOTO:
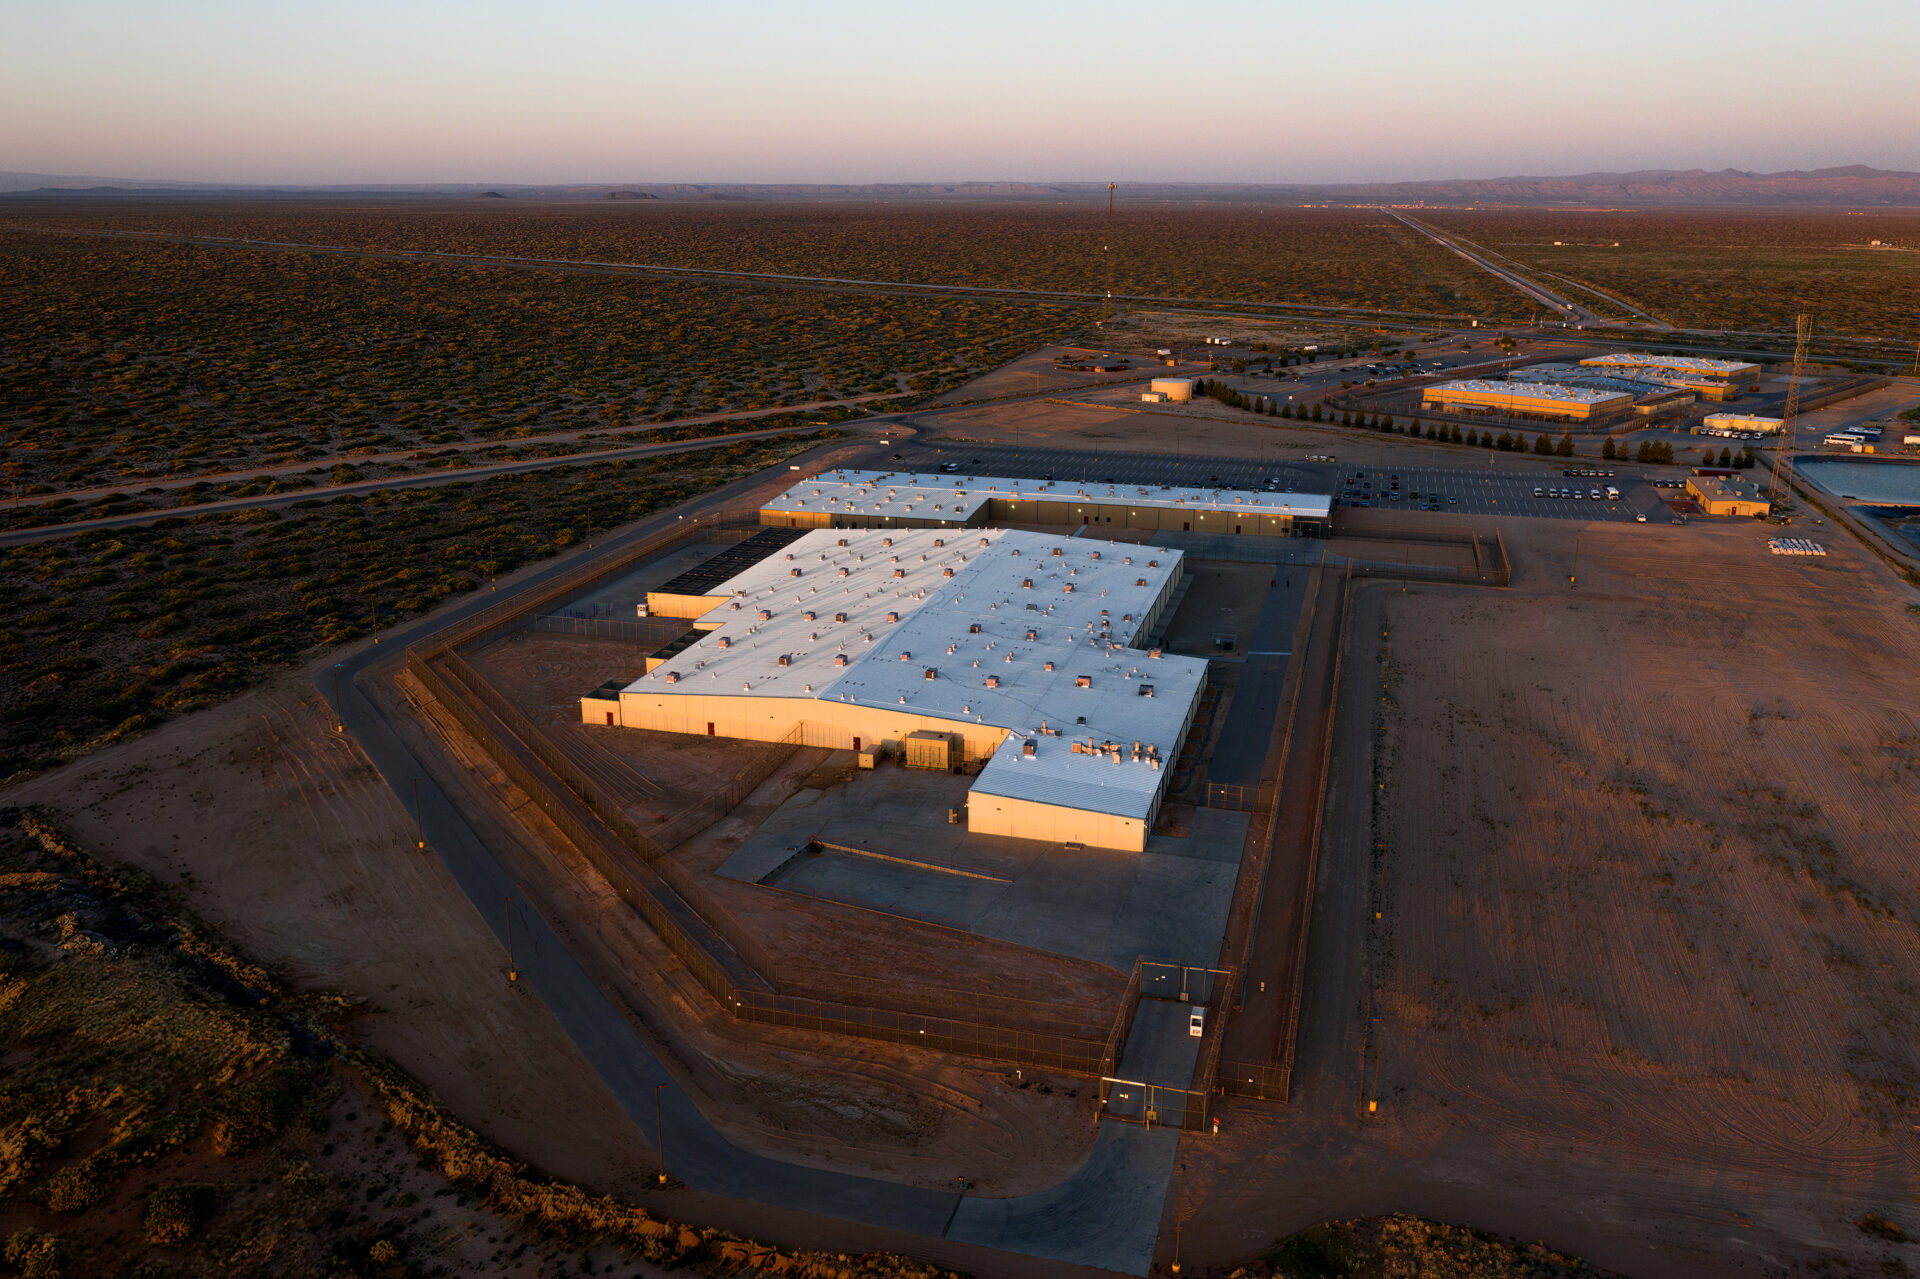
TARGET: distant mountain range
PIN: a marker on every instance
(1853, 186)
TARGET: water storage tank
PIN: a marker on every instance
(1177, 389)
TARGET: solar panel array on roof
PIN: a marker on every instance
(704, 577)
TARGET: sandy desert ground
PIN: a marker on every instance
(1643, 977)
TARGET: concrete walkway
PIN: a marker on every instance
(1106, 1215)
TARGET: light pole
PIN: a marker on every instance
(339, 708)
(659, 1133)
(1573, 576)
(419, 828)
(513, 972)
(1178, 1195)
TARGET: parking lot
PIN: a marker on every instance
(1503, 486)
(1499, 490)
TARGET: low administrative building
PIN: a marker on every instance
(890, 499)
(1718, 495)
(1004, 646)
(1548, 400)
(1715, 379)
(1738, 422)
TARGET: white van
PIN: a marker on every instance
(1197, 1021)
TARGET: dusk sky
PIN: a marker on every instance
(860, 92)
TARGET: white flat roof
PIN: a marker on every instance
(1006, 584)
(1533, 391)
(1677, 363)
(1743, 417)
(955, 498)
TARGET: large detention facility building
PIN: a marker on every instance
(1713, 379)
(1545, 400)
(887, 499)
(1010, 649)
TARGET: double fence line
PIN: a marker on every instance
(730, 964)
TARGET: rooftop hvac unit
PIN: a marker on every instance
(1049, 665)
(1083, 681)
(807, 616)
(937, 542)
(1068, 588)
(1153, 652)
(785, 659)
(1146, 690)
(1026, 583)
(1027, 750)
(974, 629)
(932, 673)
(905, 657)
(839, 659)
(841, 542)
(839, 617)
(793, 572)
(1096, 555)
(1032, 634)
(673, 677)
(1056, 552)
(765, 616)
(946, 572)
(842, 573)
(993, 681)
(1153, 563)
(1139, 581)
(899, 572)
(725, 642)
(893, 617)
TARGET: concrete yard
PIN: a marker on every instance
(1167, 903)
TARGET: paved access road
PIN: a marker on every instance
(425, 479)
(1106, 1215)
(1480, 258)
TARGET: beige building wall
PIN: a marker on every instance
(1025, 819)
(1715, 500)
(805, 720)
(660, 604)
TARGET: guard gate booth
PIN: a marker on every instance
(936, 752)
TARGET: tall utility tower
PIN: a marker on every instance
(1106, 253)
(1780, 495)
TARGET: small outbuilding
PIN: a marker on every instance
(1718, 495)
